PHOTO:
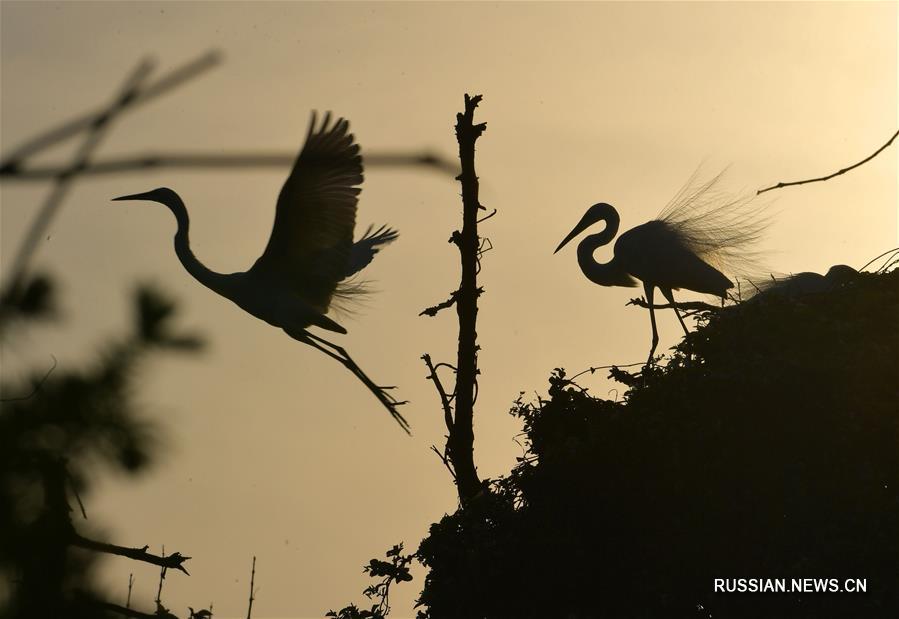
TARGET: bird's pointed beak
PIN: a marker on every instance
(582, 225)
(135, 196)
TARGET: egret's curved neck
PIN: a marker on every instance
(608, 273)
(197, 269)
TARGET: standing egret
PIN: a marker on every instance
(310, 256)
(674, 250)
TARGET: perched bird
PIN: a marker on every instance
(805, 283)
(310, 258)
(699, 227)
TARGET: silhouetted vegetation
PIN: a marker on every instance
(56, 429)
(769, 452)
(394, 570)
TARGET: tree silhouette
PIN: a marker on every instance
(771, 453)
(67, 422)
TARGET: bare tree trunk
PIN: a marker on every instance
(462, 438)
(458, 405)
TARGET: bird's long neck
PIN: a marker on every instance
(608, 273)
(210, 279)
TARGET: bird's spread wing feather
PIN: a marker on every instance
(364, 250)
(312, 239)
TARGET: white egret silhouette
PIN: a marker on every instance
(310, 256)
(698, 227)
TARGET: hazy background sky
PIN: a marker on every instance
(273, 449)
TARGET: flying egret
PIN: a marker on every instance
(674, 251)
(310, 257)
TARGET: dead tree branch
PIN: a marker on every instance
(444, 398)
(829, 176)
(698, 306)
(434, 309)
(172, 561)
(458, 408)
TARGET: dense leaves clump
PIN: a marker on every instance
(770, 451)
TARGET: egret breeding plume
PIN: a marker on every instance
(699, 228)
(310, 258)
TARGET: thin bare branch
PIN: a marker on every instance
(252, 581)
(444, 399)
(443, 458)
(216, 161)
(829, 176)
(875, 259)
(486, 217)
(37, 386)
(699, 306)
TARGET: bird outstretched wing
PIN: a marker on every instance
(364, 250)
(312, 238)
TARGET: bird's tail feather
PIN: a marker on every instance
(351, 296)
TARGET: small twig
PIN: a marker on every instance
(37, 386)
(444, 398)
(75, 492)
(161, 579)
(829, 176)
(432, 311)
(215, 161)
(130, 584)
(445, 459)
(486, 217)
(876, 258)
(252, 581)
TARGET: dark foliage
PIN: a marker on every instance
(66, 423)
(394, 570)
(771, 453)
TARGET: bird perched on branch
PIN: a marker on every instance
(310, 260)
(700, 232)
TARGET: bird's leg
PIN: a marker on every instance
(649, 289)
(339, 354)
(670, 296)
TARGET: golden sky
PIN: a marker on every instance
(273, 449)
